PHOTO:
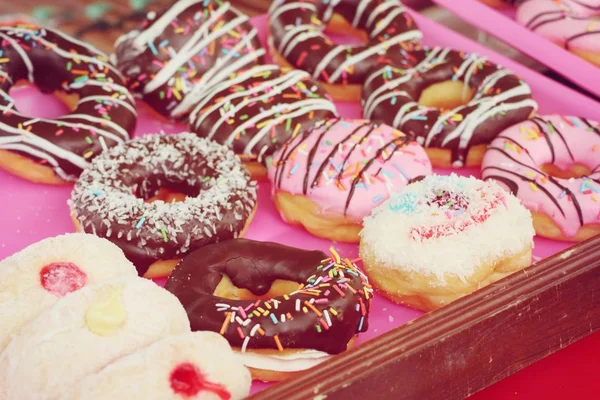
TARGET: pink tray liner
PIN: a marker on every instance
(30, 212)
(502, 25)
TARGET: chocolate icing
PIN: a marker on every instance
(109, 198)
(297, 26)
(257, 110)
(500, 100)
(104, 116)
(177, 53)
(255, 266)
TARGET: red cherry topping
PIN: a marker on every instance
(62, 278)
(186, 380)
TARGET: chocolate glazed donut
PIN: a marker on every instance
(500, 100)
(324, 314)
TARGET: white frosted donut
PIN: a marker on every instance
(194, 365)
(36, 277)
(444, 237)
(85, 331)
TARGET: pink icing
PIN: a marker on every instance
(515, 156)
(339, 150)
(567, 22)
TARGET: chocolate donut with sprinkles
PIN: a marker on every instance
(552, 164)
(248, 292)
(175, 54)
(102, 112)
(257, 110)
(297, 39)
(116, 198)
(455, 103)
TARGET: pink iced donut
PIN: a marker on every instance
(37, 277)
(569, 23)
(530, 160)
(328, 179)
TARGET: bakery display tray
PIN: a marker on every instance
(502, 25)
(448, 353)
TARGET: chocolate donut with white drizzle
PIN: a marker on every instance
(178, 52)
(55, 62)
(500, 100)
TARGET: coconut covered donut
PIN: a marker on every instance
(571, 24)
(297, 39)
(40, 275)
(453, 102)
(255, 111)
(189, 366)
(102, 112)
(330, 178)
(283, 309)
(84, 332)
(176, 53)
(217, 198)
(552, 164)
(444, 237)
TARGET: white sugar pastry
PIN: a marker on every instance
(444, 237)
(38, 276)
(198, 365)
(85, 331)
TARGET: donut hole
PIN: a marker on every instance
(160, 189)
(28, 97)
(227, 290)
(573, 171)
(446, 95)
(340, 31)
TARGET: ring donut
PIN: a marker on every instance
(530, 160)
(257, 110)
(477, 99)
(174, 54)
(571, 24)
(218, 203)
(248, 292)
(102, 110)
(297, 40)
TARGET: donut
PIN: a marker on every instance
(218, 203)
(453, 102)
(257, 110)
(248, 292)
(330, 178)
(190, 365)
(570, 24)
(38, 276)
(297, 40)
(102, 112)
(444, 237)
(175, 54)
(85, 331)
(551, 163)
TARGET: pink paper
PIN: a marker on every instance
(502, 26)
(31, 212)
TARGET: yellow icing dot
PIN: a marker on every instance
(107, 313)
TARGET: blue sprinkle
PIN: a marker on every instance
(97, 192)
(152, 48)
(377, 198)
(140, 223)
(394, 99)
(163, 43)
(419, 117)
(562, 194)
(273, 318)
(399, 168)
(361, 323)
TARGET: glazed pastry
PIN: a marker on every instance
(176, 53)
(85, 331)
(38, 276)
(257, 110)
(297, 40)
(102, 110)
(569, 23)
(552, 164)
(217, 202)
(188, 366)
(248, 292)
(454, 122)
(330, 178)
(444, 237)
